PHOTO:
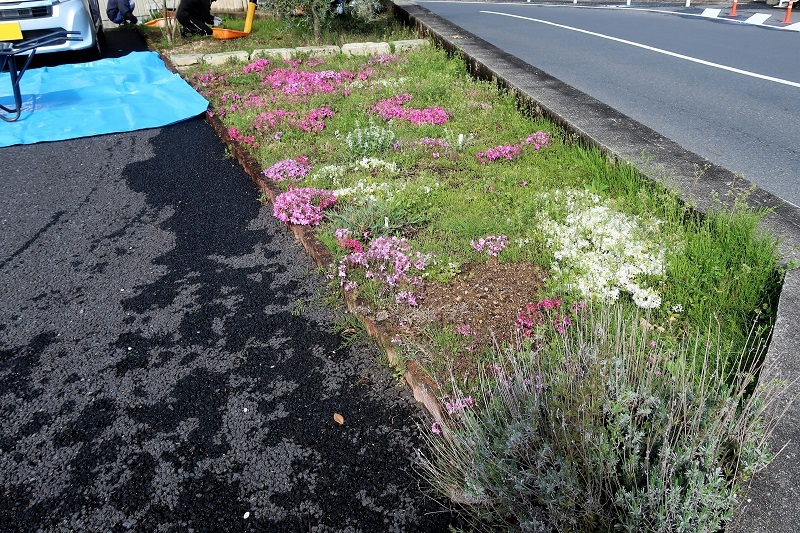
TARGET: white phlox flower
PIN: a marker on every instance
(599, 251)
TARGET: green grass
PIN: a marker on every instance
(718, 266)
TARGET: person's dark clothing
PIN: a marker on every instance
(120, 11)
(195, 16)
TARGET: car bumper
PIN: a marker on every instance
(71, 15)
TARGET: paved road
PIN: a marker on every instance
(165, 362)
(746, 124)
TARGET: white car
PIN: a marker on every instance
(37, 18)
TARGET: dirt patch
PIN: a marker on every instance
(486, 298)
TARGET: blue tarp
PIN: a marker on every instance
(112, 95)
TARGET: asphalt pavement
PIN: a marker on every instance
(166, 362)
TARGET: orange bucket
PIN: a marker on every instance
(223, 33)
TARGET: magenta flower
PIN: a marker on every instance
(236, 136)
(288, 169)
(257, 66)
(304, 83)
(537, 140)
(408, 297)
(390, 108)
(388, 259)
(493, 244)
(303, 206)
(459, 404)
(533, 316)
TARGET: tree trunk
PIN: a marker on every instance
(317, 25)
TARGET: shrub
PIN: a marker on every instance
(602, 427)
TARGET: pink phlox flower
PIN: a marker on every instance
(388, 259)
(256, 66)
(459, 404)
(406, 297)
(303, 206)
(314, 120)
(508, 151)
(465, 330)
(344, 240)
(386, 59)
(580, 306)
(493, 244)
(435, 429)
(288, 169)
(561, 323)
(236, 136)
(305, 83)
(392, 107)
(533, 316)
(538, 140)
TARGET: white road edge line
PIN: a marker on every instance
(652, 49)
(793, 27)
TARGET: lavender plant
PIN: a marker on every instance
(602, 427)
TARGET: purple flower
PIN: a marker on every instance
(459, 404)
(303, 206)
(493, 244)
(288, 169)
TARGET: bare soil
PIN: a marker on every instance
(486, 297)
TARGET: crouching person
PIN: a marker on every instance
(121, 12)
(195, 17)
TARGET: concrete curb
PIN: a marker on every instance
(181, 61)
(771, 500)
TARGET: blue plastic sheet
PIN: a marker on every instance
(113, 95)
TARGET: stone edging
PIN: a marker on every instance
(422, 386)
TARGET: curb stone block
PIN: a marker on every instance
(317, 51)
(366, 49)
(185, 60)
(283, 53)
(224, 57)
(409, 44)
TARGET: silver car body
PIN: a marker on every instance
(40, 17)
